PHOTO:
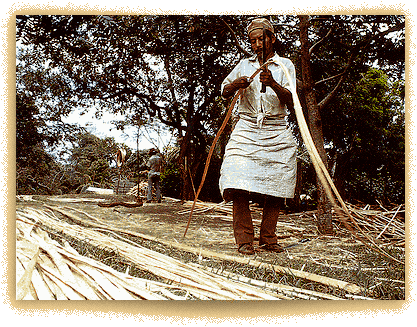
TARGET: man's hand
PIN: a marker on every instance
(242, 82)
(239, 83)
(265, 77)
(283, 94)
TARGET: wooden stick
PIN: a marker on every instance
(386, 226)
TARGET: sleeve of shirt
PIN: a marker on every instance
(234, 74)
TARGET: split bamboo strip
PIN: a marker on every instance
(58, 293)
(205, 206)
(382, 232)
(139, 291)
(56, 258)
(258, 221)
(41, 288)
(288, 292)
(23, 285)
(30, 293)
(189, 278)
(61, 285)
(74, 288)
(72, 200)
(144, 287)
(91, 289)
(349, 287)
(112, 290)
(67, 290)
(357, 297)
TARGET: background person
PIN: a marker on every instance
(154, 175)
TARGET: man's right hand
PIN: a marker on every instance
(239, 83)
(242, 82)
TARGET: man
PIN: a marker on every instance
(260, 157)
(154, 174)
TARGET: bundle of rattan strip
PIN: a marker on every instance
(284, 291)
(223, 207)
(349, 287)
(143, 189)
(77, 278)
(47, 271)
(385, 226)
(74, 200)
(201, 207)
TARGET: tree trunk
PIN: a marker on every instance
(324, 216)
(184, 162)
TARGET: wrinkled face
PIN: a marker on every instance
(256, 42)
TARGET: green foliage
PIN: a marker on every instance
(95, 159)
(359, 90)
(28, 134)
(168, 69)
(36, 168)
(368, 133)
(35, 172)
(171, 183)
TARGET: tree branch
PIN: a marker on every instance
(315, 45)
(170, 82)
(354, 51)
(330, 78)
(395, 28)
(323, 103)
(235, 39)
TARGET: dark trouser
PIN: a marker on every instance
(242, 219)
(154, 181)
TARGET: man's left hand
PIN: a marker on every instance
(266, 78)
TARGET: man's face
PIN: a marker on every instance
(256, 41)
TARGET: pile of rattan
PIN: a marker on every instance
(47, 269)
(384, 227)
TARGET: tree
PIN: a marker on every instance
(36, 167)
(145, 67)
(95, 159)
(350, 45)
(369, 139)
(168, 69)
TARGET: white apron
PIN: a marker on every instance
(260, 159)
